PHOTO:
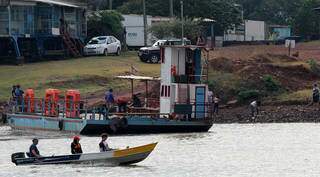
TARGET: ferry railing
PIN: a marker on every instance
(190, 79)
(59, 109)
(206, 110)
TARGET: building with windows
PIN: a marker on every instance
(32, 29)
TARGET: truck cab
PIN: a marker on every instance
(152, 54)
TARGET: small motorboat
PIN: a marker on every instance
(114, 157)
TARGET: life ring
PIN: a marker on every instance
(173, 70)
(60, 124)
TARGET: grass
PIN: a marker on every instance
(298, 96)
(292, 64)
(89, 74)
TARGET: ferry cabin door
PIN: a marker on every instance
(200, 102)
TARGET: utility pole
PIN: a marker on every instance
(182, 23)
(9, 14)
(145, 23)
(171, 8)
(110, 4)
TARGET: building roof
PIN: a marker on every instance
(142, 78)
(72, 3)
(279, 26)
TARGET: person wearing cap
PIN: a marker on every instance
(76, 146)
(103, 145)
(33, 150)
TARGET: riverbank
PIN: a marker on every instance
(270, 114)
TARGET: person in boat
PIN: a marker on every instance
(76, 146)
(33, 150)
(109, 98)
(103, 145)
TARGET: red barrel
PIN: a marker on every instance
(72, 103)
(29, 100)
(51, 102)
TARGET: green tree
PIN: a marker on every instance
(172, 29)
(299, 14)
(105, 22)
(306, 20)
(223, 11)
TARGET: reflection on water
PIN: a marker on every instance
(228, 150)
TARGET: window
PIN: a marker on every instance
(162, 91)
(165, 91)
(4, 20)
(109, 40)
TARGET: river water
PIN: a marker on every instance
(252, 150)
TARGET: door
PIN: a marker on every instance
(200, 102)
(114, 44)
(110, 45)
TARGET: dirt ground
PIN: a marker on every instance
(305, 51)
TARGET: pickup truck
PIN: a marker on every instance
(152, 54)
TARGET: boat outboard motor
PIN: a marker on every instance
(18, 155)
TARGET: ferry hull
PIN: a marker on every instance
(172, 127)
(132, 125)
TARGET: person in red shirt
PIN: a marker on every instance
(76, 146)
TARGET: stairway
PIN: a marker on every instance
(71, 45)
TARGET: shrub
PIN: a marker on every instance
(245, 95)
(314, 67)
(270, 84)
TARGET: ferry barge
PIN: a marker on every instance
(182, 107)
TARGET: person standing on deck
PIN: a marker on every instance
(76, 146)
(13, 93)
(19, 95)
(103, 145)
(33, 150)
(216, 101)
(109, 98)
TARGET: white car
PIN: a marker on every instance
(103, 45)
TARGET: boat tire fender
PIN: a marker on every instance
(114, 124)
(123, 122)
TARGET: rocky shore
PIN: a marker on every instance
(270, 114)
